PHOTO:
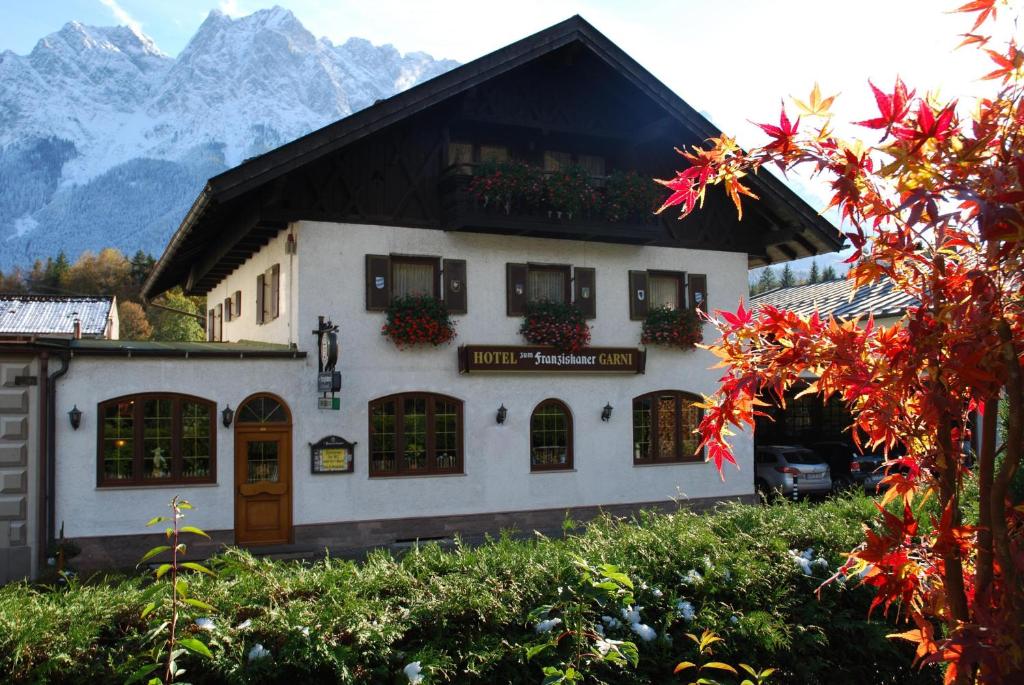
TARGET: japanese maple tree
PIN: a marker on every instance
(937, 206)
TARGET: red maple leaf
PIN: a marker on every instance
(893, 108)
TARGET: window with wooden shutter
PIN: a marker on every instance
(218, 320)
(455, 297)
(210, 325)
(275, 291)
(260, 304)
(585, 296)
(238, 304)
(548, 283)
(638, 295)
(378, 282)
(228, 308)
(666, 289)
(415, 276)
(699, 292)
(515, 289)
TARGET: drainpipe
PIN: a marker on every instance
(51, 451)
(41, 542)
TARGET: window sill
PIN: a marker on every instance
(155, 486)
(542, 472)
(670, 463)
(400, 476)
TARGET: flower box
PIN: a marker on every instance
(670, 327)
(418, 320)
(552, 323)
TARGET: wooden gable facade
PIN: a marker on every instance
(566, 89)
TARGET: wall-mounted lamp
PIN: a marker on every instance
(227, 415)
(606, 413)
(75, 415)
(502, 413)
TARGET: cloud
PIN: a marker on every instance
(123, 16)
(230, 8)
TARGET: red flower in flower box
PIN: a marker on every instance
(560, 325)
(418, 320)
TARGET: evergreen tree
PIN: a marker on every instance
(57, 270)
(141, 264)
(767, 281)
(829, 274)
(788, 279)
(815, 276)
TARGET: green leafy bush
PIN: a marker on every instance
(469, 614)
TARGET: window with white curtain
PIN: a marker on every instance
(413, 276)
(664, 290)
(547, 284)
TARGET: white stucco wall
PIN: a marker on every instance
(496, 460)
(279, 330)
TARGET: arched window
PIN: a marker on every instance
(155, 439)
(415, 433)
(551, 436)
(663, 425)
(263, 409)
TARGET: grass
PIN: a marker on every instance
(464, 614)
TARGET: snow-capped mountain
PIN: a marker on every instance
(105, 140)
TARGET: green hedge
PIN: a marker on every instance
(464, 614)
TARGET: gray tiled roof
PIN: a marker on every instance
(833, 297)
(48, 315)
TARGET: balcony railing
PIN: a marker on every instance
(535, 213)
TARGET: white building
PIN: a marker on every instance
(474, 436)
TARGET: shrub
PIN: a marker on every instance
(465, 614)
(672, 327)
(559, 325)
(569, 191)
(418, 320)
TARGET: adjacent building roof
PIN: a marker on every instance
(245, 349)
(50, 315)
(838, 299)
(223, 228)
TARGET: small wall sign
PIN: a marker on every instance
(332, 454)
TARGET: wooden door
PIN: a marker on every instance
(263, 477)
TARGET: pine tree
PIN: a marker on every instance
(142, 263)
(814, 276)
(829, 274)
(767, 281)
(57, 270)
(788, 279)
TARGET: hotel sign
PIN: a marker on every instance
(538, 359)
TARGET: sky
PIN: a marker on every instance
(733, 60)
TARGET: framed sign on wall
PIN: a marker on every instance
(332, 454)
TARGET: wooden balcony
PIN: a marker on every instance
(464, 212)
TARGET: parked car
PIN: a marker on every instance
(778, 468)
(848, 467)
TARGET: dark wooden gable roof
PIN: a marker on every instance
(239, 210)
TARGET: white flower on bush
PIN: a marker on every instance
(258, 652)
(805, 560)
(707, 563)
(645, 632)
(658, 594)
(304, 630)
(205, 623)
(412, 672)
(693, 577)
(604, 646)
(244, 624)
(631, 614)
(685, 610)
(611, 622)
(546, 625)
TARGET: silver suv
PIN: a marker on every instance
(778, 468)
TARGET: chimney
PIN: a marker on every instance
(78, 329)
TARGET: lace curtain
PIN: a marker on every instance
(412, 279)
(664, 291)
(546, 285)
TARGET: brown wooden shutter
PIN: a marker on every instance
(585, 282)
(638, 295)
(515, 289)
(228, 313)
(218, 333)
(209, 325)
(455, 285)
(238, 304)
(260, 311)
(275, 291)
(378, 282)
(699, 286)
